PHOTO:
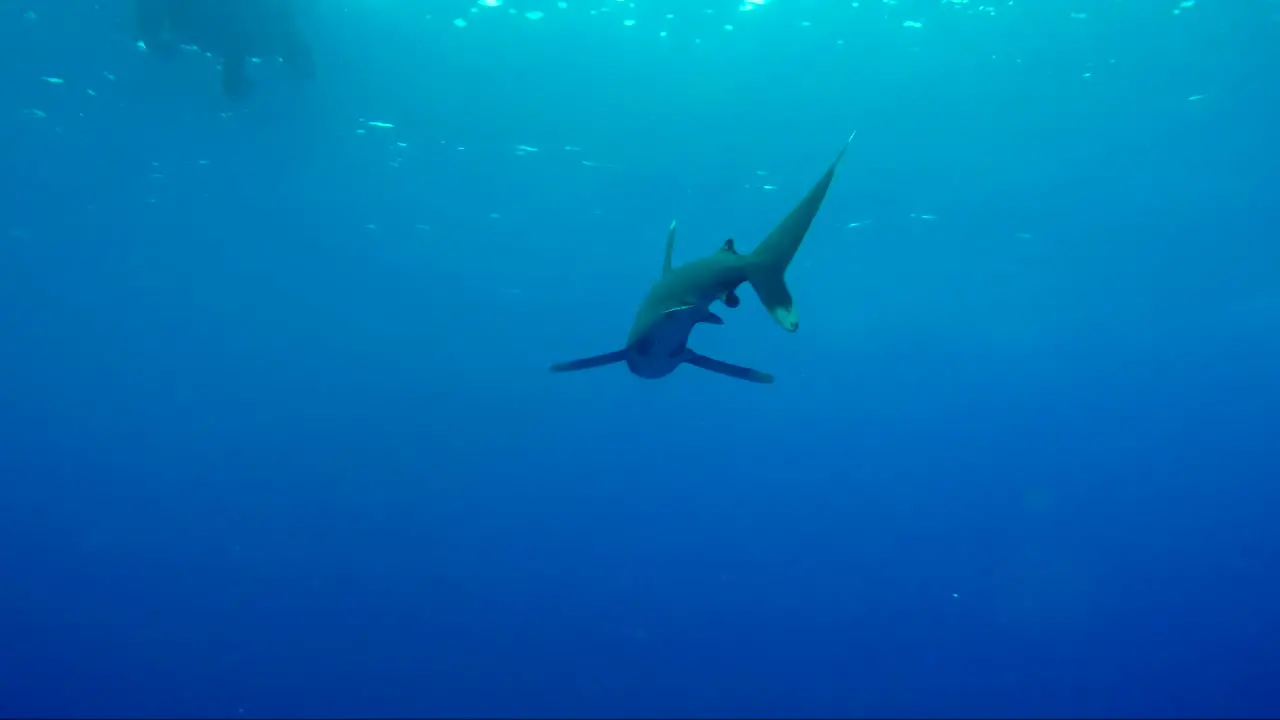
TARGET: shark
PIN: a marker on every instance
(235, 30)
(682, 296)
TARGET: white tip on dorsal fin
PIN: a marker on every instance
(671, 245)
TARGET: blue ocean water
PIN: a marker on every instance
(278, 439)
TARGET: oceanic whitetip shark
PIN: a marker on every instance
(237, 30)
(682, 297)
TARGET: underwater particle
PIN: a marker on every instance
(1079, 16)
(912, 24)
(460, 23)
(1196, 97)
(526, 149)
(35, 113)
(108, 76)
(375, 123)
(53, 80)
(857, 224)
(535, 14)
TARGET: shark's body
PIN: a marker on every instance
(234, 30)
(682, 297)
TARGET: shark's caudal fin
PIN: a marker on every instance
(152, 18)
(592, 362)
(767, 266)
(235, 76)
(300, 57)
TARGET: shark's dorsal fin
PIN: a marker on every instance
(728, 247)
(671, 246)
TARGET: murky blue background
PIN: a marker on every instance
(277, 436)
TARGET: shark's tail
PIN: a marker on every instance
(767, 264)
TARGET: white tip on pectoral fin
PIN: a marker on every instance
(842, 149)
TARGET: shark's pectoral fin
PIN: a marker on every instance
(235, 76)
(713, 319)
(591, 362)
(724, 368)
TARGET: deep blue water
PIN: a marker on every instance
(277, 436)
